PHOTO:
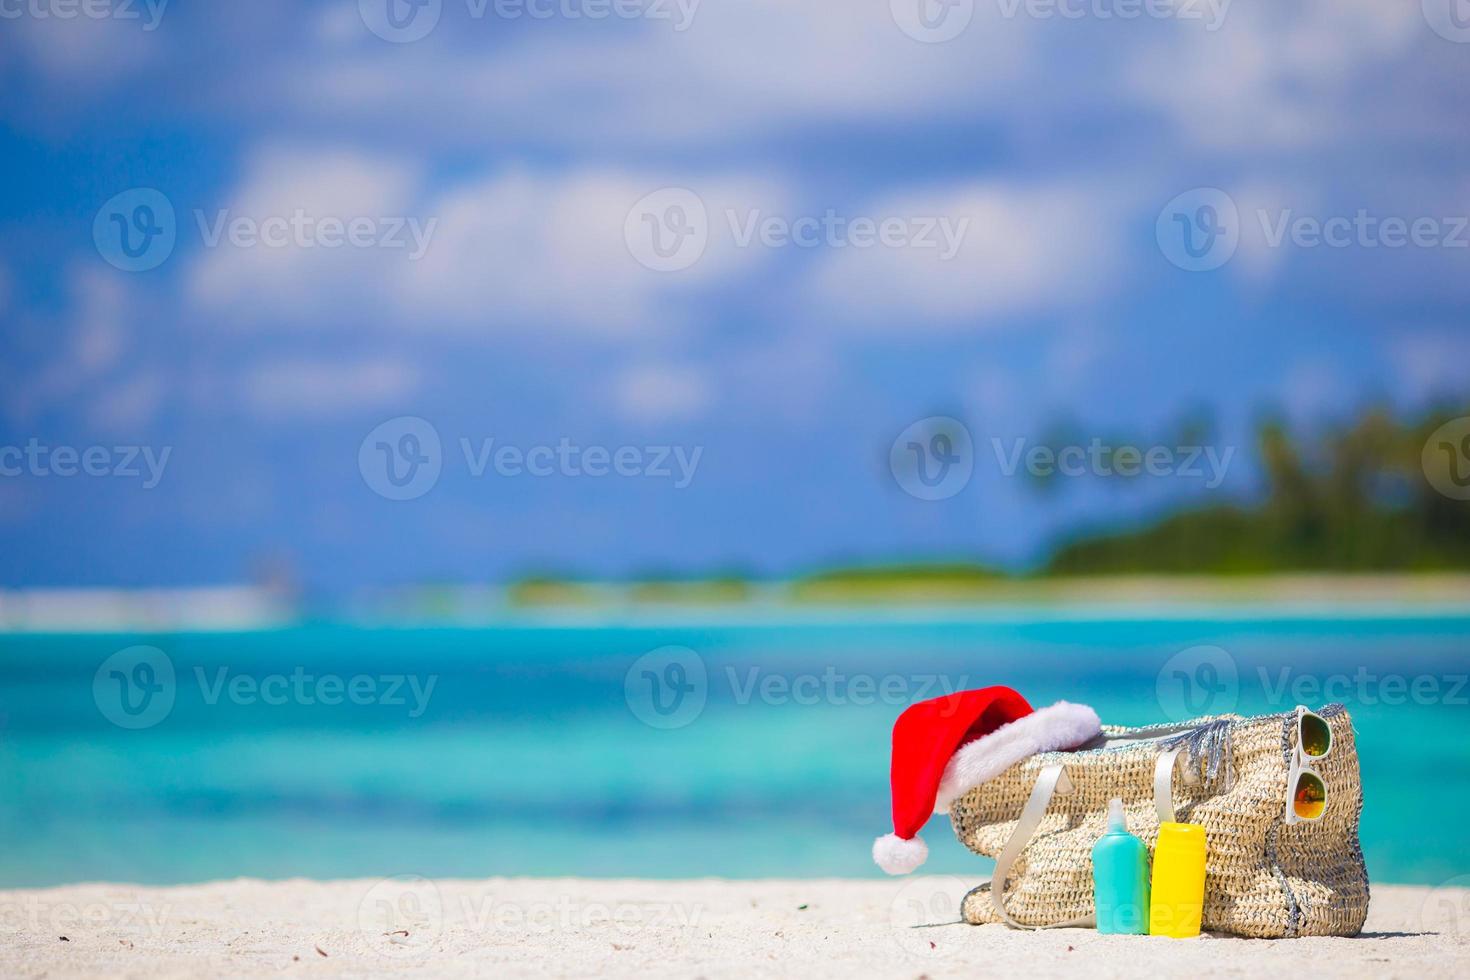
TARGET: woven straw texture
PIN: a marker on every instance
(1263, 878)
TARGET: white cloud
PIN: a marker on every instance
(1276, 75)
(1262, 207)
(509, 249)
(1431, 364)
(303, 274)
(826, 60)
(1022, 249)
(550, 250)
(662, 392)
(295, 388)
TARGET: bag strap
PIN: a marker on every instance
(1164, 784)
(1051, 780)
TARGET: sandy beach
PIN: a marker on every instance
(709, 928)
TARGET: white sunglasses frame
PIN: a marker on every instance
(1300, 763)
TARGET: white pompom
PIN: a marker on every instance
(898, 856)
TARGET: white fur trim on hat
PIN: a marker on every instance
(897, 855)
(1061, 726)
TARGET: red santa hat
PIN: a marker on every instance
(946, 746)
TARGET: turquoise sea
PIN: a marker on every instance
(541, 747)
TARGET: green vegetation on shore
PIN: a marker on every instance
(1355, 499)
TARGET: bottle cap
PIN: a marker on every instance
(1117, 822)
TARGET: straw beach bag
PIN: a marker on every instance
(1266, 879)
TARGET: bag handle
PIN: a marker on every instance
(1052, 779)
(1164, 783)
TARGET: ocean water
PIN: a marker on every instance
(675, 747)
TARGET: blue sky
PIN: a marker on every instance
(524, 149)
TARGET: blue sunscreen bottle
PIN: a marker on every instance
(1120, 878)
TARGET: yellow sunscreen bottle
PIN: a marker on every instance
(1177, 899)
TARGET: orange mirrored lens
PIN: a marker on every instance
(1310, 798)
(1316, 736)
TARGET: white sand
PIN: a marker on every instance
(562, 927)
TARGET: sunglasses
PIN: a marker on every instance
(1308, 791)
